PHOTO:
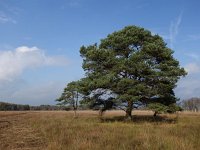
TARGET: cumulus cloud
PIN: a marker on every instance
(14, 62)
(15, 89)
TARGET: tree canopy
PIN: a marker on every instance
(135, 65)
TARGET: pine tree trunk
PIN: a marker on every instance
(155, 114)
(75, 114)
(129, 110)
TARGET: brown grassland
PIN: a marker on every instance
(59, 130)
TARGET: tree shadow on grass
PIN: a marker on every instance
(140, 119)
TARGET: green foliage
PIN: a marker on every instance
(173, 108)
(70, 95)
(161, 108)
(135, 65)
(75, 94)
(158, 107)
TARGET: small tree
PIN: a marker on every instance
(160, 108)
(157, 108)
(70, 96)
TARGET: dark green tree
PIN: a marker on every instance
(136, 65)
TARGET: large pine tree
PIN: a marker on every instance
(136, 65)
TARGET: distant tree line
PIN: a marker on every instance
(13, 107)
(18, 107)
(192, 104)
(49, 107)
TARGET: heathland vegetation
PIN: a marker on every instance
(59, 130)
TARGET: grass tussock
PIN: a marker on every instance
(61, 131)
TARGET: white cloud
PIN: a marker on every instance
(15, 89)
(24, 49)
(13, 63)
(20, 91)
(4, 18)
(188, 87)
(47, 93)
(174, 29)
(192, 68)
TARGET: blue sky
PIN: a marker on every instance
(40, 41)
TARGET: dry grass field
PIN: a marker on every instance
(59, 130)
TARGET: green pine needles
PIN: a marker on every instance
(135, 65)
